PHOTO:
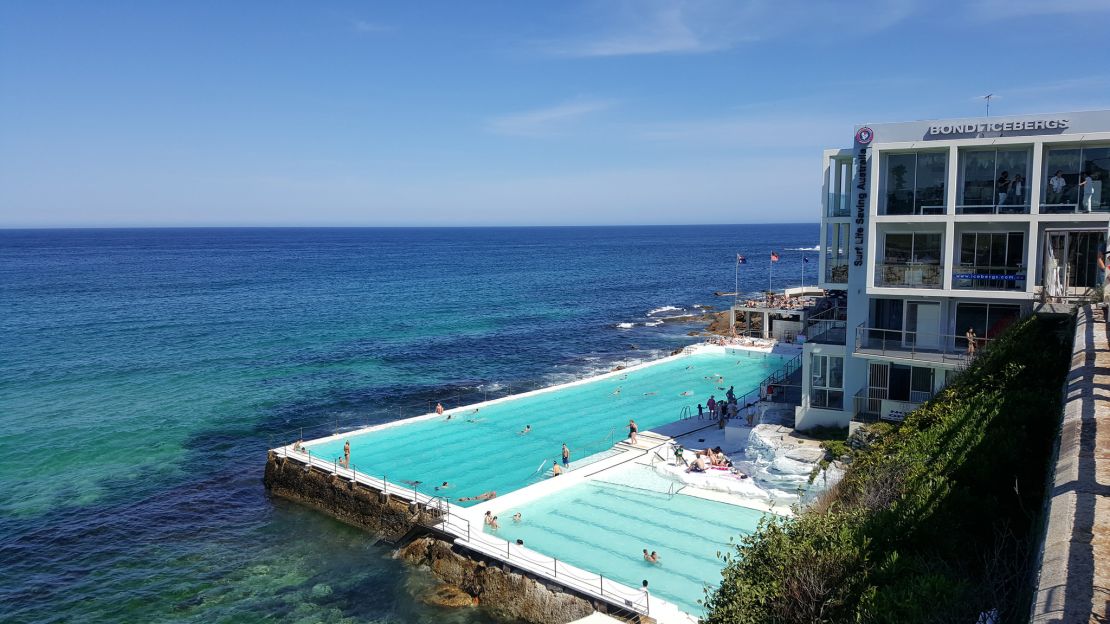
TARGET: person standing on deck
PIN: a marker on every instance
(439, 409)
(566, 456)
(632, 430)
(971, 341)
(347, 450)
(711, 404)
(1087, 189)
(730, 395)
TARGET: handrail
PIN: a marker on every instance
(917, 345)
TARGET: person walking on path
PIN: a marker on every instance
(632, 430)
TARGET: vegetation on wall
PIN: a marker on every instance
(934, 520)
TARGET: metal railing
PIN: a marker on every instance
(988, 277)
(896, 410)
(1010, 208)
(1072, 208)
(591, 584)
(908, 275)
(914, 345)
(827, 327)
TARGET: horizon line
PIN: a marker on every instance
(380, 227)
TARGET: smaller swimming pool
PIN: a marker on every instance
(604, 525)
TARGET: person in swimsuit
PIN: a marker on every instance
(493, 524)
(439, 409)
(347, 449)
(632, 430)
(566, 456)
(298, 446)
(526, 430)
(654, 557)
(647, 557)
(516, 518)
(443, 486)
(481, 497)
(488, 518)
(556, 469)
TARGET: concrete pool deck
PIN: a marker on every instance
(464, 525)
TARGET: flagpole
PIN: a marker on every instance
(770, 271)
(736, 281)
(803, 271)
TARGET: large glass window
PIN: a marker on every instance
(827, 381)
(837, 246)
(912, 384)
(991, 260)
(911, 259)
(987, 319)
(1074, 180)
(994, 181)
(914, 183)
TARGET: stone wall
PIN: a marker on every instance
(387, 517)
(504, 592)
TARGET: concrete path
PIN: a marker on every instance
(1073, 582)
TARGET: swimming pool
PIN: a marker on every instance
(603, 525)
(484, 451)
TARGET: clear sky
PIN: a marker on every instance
(495, 113)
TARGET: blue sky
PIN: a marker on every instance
(495, 113)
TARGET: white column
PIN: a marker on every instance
(1036, 179)
(1033, 255)
(949, 254)
(953, 178)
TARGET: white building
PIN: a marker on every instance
(932, 228)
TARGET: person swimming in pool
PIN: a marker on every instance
(481, 497)
(516, 518)
(526, 430)
(617, 392)
(652, 393)
(687, 393)
(556, 469)
(488, 518)
(443, 486)
(654, 558)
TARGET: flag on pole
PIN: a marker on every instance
(741, 259)
(774, 256)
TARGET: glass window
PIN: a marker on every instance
(914, 183)
(1061, 188)
(978, 179)
(991, 260)
(827, 381)
(994, 181)
(836, 252)
(988, 320)
(1096, 167)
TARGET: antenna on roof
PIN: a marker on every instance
(988, 97)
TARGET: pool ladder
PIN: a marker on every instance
(685, 413)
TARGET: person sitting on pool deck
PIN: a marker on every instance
(566, 455)
(698, 465)
(481, 497)
(298, 446)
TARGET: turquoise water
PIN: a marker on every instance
(485, 451)
(144, 373)
(604, 526)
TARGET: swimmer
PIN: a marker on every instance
(439, 409)
(689, 367)
(412, 483)
(623, 377)
(687, 393)
(474, 420)
(647, 557)
(345, 462)
(652, 393)
(481, 497)
(617, 392)
(556, 469)
(488, 518)
(654, 557)
(526, 430)
(493, 524)
(516, 518)
(443, 486)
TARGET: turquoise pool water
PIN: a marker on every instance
(604, 526)
(483, 452)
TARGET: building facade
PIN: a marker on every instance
(939, 234)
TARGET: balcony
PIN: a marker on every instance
(871, 408)
(828, 327)
(1074, 208)
(970, 277)
(895, 344)
(995, 209)
(908, 275)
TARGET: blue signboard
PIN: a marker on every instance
(989, 276)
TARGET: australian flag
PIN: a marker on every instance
(774, 256)
(741, 259)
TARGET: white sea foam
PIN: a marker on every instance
(814, 248)
(662, 309)
(625, 325)
(652, 323)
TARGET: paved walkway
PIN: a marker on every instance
(1073, 584)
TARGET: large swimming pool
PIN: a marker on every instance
(485, 451)
(604, 525)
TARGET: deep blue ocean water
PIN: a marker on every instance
(144, 373)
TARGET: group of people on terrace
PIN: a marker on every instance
(1058, 194)
(721, 410)
(779, 302)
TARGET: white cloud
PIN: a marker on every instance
(1009, 9)
(699, 26)
(367, 27)
(547, 121)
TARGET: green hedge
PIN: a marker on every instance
(934, 521)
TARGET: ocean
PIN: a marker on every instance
(144, 373)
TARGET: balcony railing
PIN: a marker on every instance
(986, 209)
(876, 408)
(828, 327)
(836, 271)
(1073, 208)
(975, 277)
(908, 275)
(913, 345)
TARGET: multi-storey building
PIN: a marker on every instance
(940, 234)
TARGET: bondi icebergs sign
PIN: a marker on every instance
(989, 128)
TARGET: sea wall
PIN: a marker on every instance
(388, 517)
(505, 592)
